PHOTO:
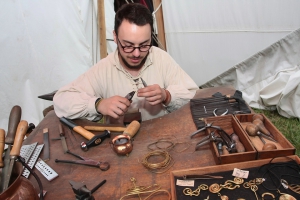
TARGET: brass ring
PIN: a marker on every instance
(269, 194)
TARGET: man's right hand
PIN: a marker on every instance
(114, 106)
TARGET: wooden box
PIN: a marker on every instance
(284, 147)
(230, 125)
(227, 168)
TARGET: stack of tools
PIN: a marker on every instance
(217, 105)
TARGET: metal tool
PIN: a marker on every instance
(46, 156)
(215, 112)
(81, 191)
(46, 170)
(209, 138)
(130, 95)
(15, 151)
(94, 140)
(209, 125)
(229, 142)
(144, 83)
(203, 176)
(63, 138)
(86, 161)
(30, 153)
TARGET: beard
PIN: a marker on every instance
(136, 67)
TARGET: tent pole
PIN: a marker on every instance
(102, 29)
(160, 23)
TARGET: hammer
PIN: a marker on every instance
(95, 140)
(130, 130)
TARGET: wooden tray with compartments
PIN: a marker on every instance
(283, 146)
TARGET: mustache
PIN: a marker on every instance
(134, 57)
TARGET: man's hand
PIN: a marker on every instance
(115, 106)
(154, 94)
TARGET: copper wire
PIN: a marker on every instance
(153, 167)
(139, 190)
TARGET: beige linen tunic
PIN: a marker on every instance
(108, 78)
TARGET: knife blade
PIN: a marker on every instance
(14, 119)
(62, 138)
(15, 151)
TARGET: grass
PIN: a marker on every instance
(290, 128)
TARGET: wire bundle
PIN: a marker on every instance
(159, 165)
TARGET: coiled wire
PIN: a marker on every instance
(153, 167)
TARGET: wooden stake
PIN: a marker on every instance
(102, 29)
(160, 24)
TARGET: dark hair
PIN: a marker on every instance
(135, 13)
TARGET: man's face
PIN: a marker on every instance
(132, 35)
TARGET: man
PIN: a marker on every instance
(102, 89)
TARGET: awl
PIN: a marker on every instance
(15, 151)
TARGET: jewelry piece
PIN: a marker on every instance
(295, 188)
(229, 184)
(252, 184)
(223, 197)
(143, 190)
(285, 196)
(269, 194)
(189, 192)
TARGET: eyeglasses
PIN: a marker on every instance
(130, 49)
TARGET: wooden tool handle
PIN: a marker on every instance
(14, 119)
(132, 128)
(88, 135)
(103, 128)
(20, 133)
(2, 139)
(239, 146)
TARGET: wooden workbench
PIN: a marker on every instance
(122, 168)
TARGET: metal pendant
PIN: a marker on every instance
(286, 197)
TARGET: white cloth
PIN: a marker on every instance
(270, 78)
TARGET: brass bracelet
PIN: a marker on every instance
(97, 102)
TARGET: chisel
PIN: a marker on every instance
(62, 137)
(14, 119)
(15, 151)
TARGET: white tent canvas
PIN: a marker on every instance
(46, 44)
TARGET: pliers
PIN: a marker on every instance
(86, 161)
(209, 138)
(209, 125)
(224, 113)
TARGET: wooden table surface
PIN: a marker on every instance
(177, 125)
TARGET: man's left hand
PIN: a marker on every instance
(154, 94)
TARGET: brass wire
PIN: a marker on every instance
(138, 190)
(160, 165)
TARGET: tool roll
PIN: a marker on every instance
(205, 107)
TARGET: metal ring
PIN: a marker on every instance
(269, 194)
